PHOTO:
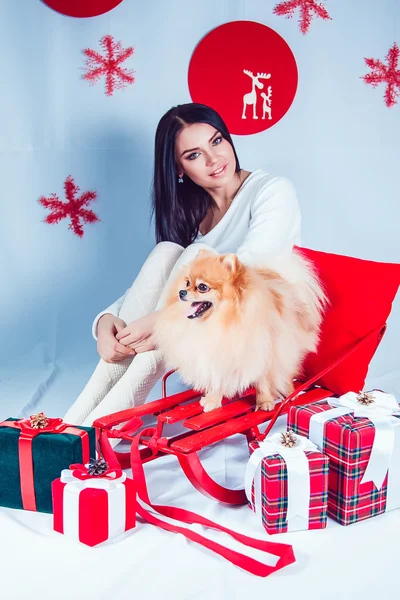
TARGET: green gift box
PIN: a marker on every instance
(33, 452)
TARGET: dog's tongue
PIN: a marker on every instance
(193, 308)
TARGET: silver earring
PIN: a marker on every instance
(180, 180)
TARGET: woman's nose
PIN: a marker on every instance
(182, 294)
(210, 160)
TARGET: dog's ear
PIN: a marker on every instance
(231, 262)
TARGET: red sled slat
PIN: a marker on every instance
(151, 408)
(219, 415)
(180, 412)
(199, 440)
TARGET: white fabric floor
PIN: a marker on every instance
(348, 562)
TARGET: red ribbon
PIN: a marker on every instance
(129, 428)
(283, 551)
(81, 472)
(25, 452)
(52, 426)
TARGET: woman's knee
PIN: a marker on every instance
(191, 251)
(165, 251)
(167, 247)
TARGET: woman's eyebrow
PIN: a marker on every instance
(210, 140)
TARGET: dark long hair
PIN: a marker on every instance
(179, 208)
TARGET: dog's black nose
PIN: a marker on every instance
(182, 294)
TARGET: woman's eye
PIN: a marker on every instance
(193, 155)
(218, 140)
(202, 287)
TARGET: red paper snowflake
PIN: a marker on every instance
(389, 74)
(74, 208)
(109, 65)
(307, 7)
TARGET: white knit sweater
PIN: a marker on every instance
(263, 219)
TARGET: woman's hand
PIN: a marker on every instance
(139, 334)
(109, 348)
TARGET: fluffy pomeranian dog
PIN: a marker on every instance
(227, 326)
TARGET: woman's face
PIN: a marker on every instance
(205, 156)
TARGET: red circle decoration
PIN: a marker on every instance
(247, 73)
(82, 8)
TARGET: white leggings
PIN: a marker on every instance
(117, 386)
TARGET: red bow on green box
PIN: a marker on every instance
(31, 428)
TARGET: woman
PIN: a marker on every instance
(201, 199)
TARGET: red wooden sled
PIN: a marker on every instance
(236, 416)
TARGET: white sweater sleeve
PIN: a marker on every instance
(113, 310)
(275, 222)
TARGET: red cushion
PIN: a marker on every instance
(361, 293)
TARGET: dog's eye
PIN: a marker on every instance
(187, 283)
(202, 287)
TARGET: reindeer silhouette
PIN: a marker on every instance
(251, 97)
(267, 103)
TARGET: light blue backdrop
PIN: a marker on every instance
(339, 144)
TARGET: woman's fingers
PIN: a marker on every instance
(114, 351)
(121, 349)
(145, 345)
(132, 341)
(109, 348)
(136, 331)
(131, 331)
(115, 356)
(123, 333)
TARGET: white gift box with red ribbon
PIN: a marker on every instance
(93, 509)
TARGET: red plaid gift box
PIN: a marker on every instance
(93, 507)
(358, 478)
(287, 486)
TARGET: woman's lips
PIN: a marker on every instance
(220, 172)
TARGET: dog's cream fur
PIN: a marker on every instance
(261, 325)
